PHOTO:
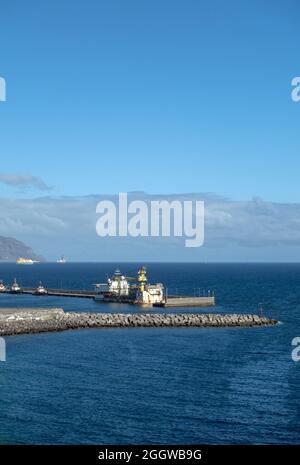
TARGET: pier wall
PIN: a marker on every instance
(188, 302)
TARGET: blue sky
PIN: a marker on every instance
(101, 93)
(155, 96)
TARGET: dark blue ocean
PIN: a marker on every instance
(156, 385)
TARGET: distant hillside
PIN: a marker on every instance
(11, 249)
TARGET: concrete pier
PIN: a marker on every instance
(187, 302)
(183, 301)
(22, 321)
(61, 292)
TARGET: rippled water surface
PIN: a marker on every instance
(156, 385)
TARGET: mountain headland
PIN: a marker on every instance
(11, 249)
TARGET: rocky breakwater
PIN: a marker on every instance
(18, 321)
(23, 321)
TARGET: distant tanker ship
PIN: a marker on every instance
(26, 261)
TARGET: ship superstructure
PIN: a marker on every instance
(121, 288)
(148, 293)
(118, 284)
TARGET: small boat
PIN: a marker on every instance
(15, 288)
(62, 260)
(2, 287)
(41, 290)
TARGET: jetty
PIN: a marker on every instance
(122, 289)
(61, 292)
(183, 301)
(170, 301)
(32, 320)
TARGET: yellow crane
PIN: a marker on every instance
(142, 278)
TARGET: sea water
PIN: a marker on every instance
(156, 385)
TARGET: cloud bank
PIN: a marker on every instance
(67, 225)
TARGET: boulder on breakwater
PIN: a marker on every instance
(24, 321)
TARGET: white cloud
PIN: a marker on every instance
(67, 225)
(24, 181)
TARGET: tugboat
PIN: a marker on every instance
(15, 288)
(41, 290)
(2, 287)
